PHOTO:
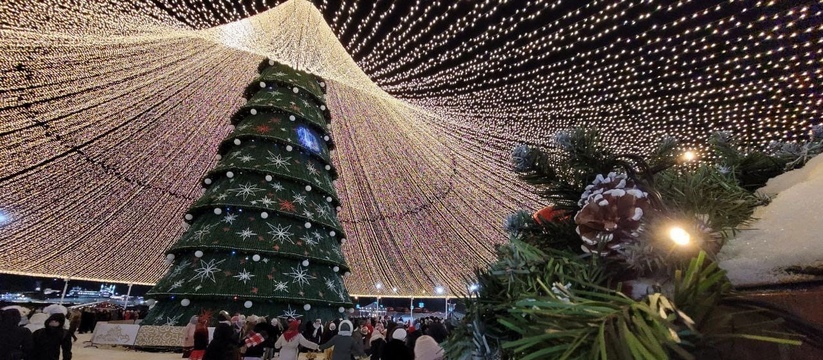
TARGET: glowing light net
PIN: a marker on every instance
(111, 111)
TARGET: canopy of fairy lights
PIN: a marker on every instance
(111, 111)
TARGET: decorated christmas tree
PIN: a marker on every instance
(264, 237)
(621, 264)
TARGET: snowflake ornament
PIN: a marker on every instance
(280, 233)
(244, 276)
(207, 270)
(300, 276)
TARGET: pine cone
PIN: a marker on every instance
(611, 214)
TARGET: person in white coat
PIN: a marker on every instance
(290, 340)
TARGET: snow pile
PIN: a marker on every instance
(788, 232)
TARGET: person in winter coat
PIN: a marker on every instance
(426, 348)
(255, 339)
(188, 339)
(15, 340)
(396, 348)
(377, 341)
(50, 340)
(345, 346)
(314, 331)
(223, 345)
(200, 339)
(365, 338)
(289, 341)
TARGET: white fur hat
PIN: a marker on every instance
(426, 348)
(399, 334)
(55, 309)
(345, 328)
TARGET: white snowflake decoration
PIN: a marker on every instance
(246, 233)
(244, 276)
(199, 234)
(278, 161)
(221, 197)
(229, 219)
(299, 199)
(309, 240)
(266, 201)
(308, 214)
(207, 270)
(245, 190)
(290, 314)
(277, 186)
(246, 158)
(312, 170)
(171, 321)
(179, 268)
(300, 276)
(281, 286)
(177, 284)
(280, 233)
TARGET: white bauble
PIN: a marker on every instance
(253, 111)
(269, 178)
(170, 257)
(305, 263)
(217, 211)
(292, 118)
(336, 268)
(255, 257)
(307, 225)
(198, 253)
(185, 302)
(308, 187)
(237, 142)
(296, 90)
(341, 309)
(229, 174)
(264, 215)
(262, 84)
(189, 216)
(248, 304)
(332, 233)
(289, 148)
(307, 307)
(207, 181)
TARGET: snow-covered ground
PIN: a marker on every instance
(105, 352)
(787, 232)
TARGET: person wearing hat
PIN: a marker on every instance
(396, 348)
(427, 348)
(290, 340)
(344, 345)
(50, 340)
(15, 342)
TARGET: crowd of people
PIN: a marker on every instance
(50, 332)
(259, 338)
(44, 336)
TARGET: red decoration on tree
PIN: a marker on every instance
(548, 215)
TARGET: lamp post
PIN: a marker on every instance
(65, 288)
(126, 301)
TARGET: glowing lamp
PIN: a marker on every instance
(679, 236)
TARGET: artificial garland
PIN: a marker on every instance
(621, 265)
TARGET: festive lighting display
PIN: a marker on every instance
(679, 236)
(113, 110)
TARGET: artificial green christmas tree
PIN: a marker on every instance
(264, 237)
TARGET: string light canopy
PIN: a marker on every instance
(113, 110)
